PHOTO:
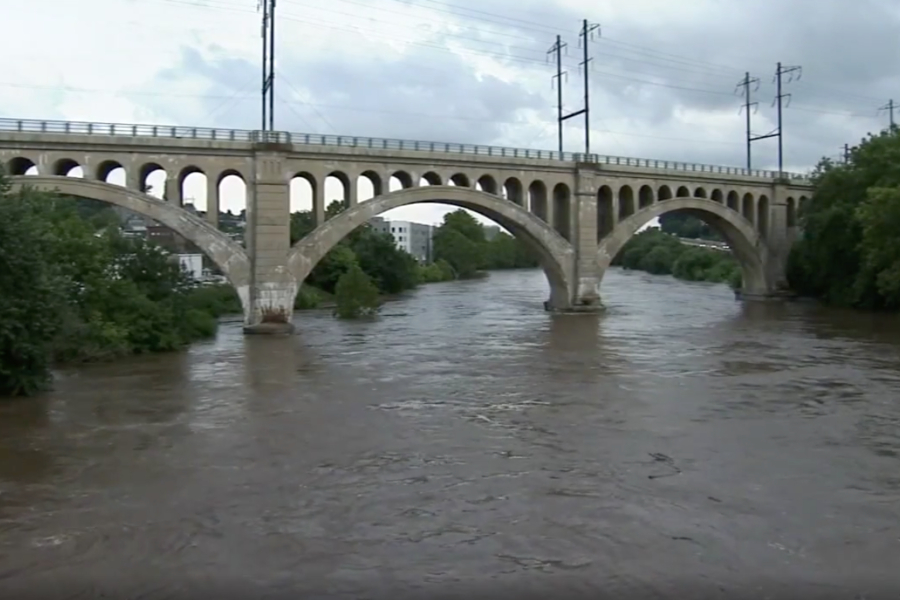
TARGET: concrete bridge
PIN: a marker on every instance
(575, 211)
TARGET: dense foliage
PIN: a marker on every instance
(684, 225)
(660, 253)
(391, 269)
(355, 294)
(74, 290)
(849, 251)
(461, 242)
(461, 249)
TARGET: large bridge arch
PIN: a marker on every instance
(556, 255)
(738, 232)
(222, 250)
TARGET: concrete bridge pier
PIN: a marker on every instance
(272, 285)
(586, 280)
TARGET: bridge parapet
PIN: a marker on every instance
(169, 134)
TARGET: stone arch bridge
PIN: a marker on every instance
(575, 211)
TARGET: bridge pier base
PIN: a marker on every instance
(585, 300)
(272, 309)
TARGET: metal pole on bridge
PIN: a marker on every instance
(557, 48)
(780, 71)
(268, 63)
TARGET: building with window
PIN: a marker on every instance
(414, 238)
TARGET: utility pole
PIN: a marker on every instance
(745, 84)
(889, 107)
(557, 49)
(268, 64)
(585, 35)
(780, 71)
(846, 153)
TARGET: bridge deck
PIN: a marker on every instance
(168, 134)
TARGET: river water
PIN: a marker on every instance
(466, 444)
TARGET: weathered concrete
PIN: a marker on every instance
(556, 255)
(576, 214)
(273, 287)
(738, 232)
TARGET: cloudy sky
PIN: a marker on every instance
(663, 76)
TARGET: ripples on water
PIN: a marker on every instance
(467, 440)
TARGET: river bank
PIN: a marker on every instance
(659, 253)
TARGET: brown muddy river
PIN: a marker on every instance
(469, 444)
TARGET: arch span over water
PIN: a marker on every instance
(555, 254)
(738, 232)
(222, 250)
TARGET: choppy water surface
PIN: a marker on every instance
(468, 442)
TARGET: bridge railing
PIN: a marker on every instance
(344, 141)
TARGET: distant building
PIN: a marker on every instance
(414, 238)
(192, 265)
(380, 225)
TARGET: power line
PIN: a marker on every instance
(520, 24)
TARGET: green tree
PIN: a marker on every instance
(333, 265)
(436, 271)
(879, 216)
(31, 293)
(355, 295)
(334, 208)
(71, 293)
(842, 257)
(662, 254)
(506, 252)
(302, 224)
(392, 269)
(684, 225)
(464, 223)
(462, 253)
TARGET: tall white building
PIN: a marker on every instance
(414, 238)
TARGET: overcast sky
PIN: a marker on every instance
(663, 76)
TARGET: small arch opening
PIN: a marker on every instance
(561, 210)
(645, 196)
(537, 199)
(626, 202)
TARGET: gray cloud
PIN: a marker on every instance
(400, 99)
(848, 52)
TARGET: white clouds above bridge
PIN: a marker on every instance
(464, 71)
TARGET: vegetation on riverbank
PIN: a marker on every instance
(460, 250)
(73, 289)
(849, 252)
(660, 253)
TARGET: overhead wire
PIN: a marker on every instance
(679, 62)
